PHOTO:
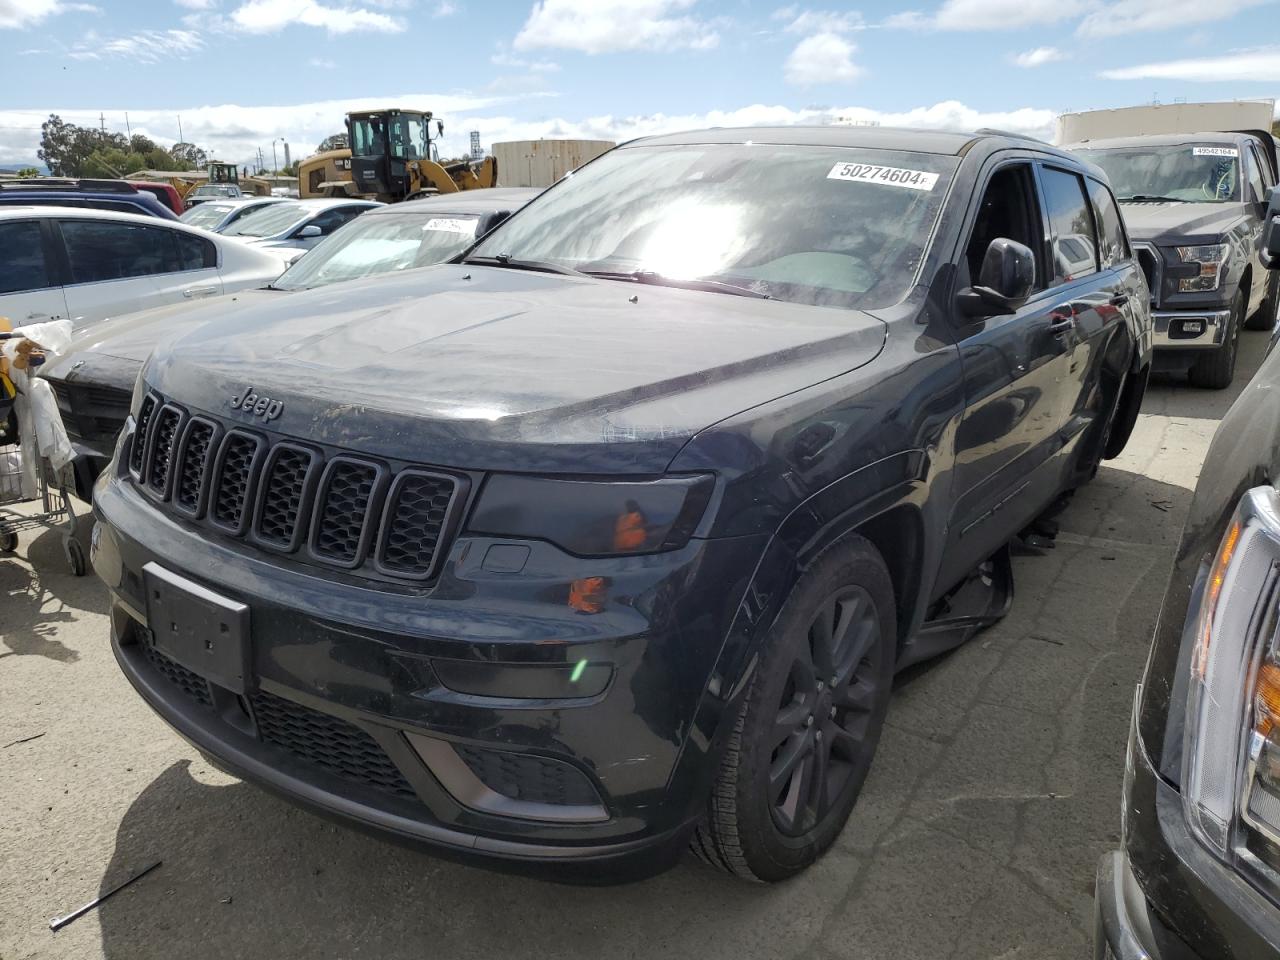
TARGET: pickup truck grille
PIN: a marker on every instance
(324, 507)
(92, 414)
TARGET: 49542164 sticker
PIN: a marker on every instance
(892, 176)
(1214, 152)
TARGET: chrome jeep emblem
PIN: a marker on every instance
(253, 403)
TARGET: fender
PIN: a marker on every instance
(841, 508)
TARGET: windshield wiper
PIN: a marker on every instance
(658, 280)
(511, 263)
(1151, 198)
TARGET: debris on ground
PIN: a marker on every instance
(57, 923)
(14, 743)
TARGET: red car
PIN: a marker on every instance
(166, 193)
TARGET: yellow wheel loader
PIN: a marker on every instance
(393, 156)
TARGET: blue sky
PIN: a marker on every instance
(242, 72)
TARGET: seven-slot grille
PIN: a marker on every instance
(286, 497)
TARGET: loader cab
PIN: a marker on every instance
(223, 172)
(384, 143)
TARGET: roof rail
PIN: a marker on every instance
(992, 132)
(69, 184)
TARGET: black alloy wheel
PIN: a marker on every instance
(805, 733)
(827, 702)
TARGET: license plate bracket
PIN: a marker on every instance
(197, 628)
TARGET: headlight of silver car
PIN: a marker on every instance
(1231, 761)
(1212, 260)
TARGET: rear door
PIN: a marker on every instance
(1008, 446)
(118, 267)
(30, 291)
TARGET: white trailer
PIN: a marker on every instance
(1157, 118)
(540, 163)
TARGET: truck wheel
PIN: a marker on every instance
(803, 740)
(1266, 315)
(1216, 369)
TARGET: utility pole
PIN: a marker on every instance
(180, 137)
(102, 124)
(129, 129)
(275, 164)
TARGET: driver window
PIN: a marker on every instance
(1254, 175)
(1009, 209)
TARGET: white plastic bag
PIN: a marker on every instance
(39, 419)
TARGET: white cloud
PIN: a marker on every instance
(444, 9)
(990, 14)
(1261, 65)
(20, 14)
(820, 59)
(197, 4)
(818, 21)
(1138, 16)
(143, 46)
(321, 64)
(504, 59)
(603, 26)
(269, 16)
(1039, 57)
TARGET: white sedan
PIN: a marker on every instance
(72, 262)
(296, 224)
(216, 215)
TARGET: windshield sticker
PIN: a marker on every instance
(1215, 152)
(894, 176)
(450, 225)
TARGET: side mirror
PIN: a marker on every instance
(495, 218)
(1271, 231)
(1005, 282)
(310, 230)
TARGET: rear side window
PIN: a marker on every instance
(22, 253)
(101, 250)
(1113, 246)
(1071, 219)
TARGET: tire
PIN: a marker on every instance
(1126, 415)
(75, 557)
(8, 541)
(1216, 369)
(797, 729)
(1264, 318)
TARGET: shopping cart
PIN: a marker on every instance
(51, 491)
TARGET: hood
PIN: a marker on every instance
(110, 352)
(1166, 224)
(485, 368)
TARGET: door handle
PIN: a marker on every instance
(39, 316)
(1063, 318)
(198, 292)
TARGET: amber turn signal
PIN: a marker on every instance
(588, 595)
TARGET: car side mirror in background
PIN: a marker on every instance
(1005, 282)
(1271, 231)
(310, 230)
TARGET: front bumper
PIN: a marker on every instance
(366, 665)
(1172, 330)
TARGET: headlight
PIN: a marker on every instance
(1231, 760)
(1212, 261)
(594, 518)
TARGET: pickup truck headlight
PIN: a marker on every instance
(594, 518)
(1211, 259)
(1231, 760)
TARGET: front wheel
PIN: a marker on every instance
(1264, 318)
(807, 730)
(1217, 368)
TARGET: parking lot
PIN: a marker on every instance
(996, 788)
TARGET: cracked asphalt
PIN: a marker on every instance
(995, 790)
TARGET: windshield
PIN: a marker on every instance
(207, 215)
(1199, 172)
(819, 225)
(272, 219)
(217, 190)
(370, 245)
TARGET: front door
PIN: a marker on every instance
(1016, 372)
(29, 288)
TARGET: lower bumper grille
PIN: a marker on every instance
(328, 742)
(529, 778)
(192, 684)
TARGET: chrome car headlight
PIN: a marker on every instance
(1212, 260)
(1231, 760)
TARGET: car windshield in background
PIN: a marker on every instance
(370, 245)
(272, 219)
(207, 215)
(818, 225)
(1192, 172)
(216, 190)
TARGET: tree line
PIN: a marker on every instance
(72, 151)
